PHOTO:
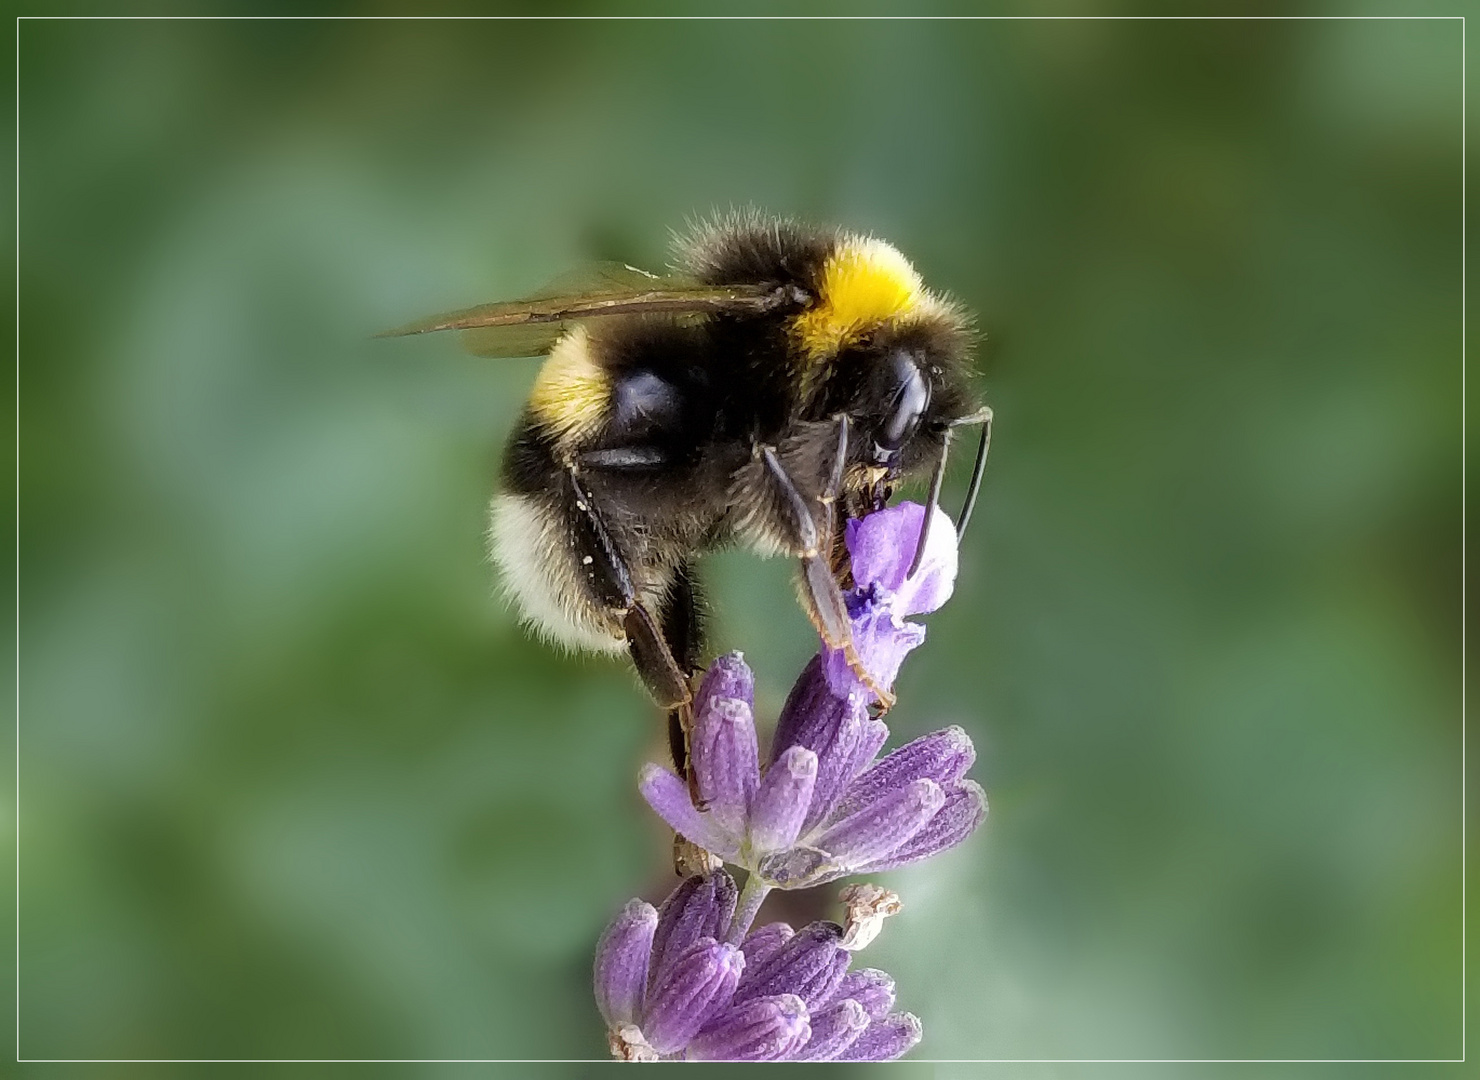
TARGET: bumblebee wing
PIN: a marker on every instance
(538, 338)
(599, 277)
(531, 326)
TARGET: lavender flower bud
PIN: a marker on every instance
(884, 825)
(622, 962)
(724, 752)
(834, 1030)
(728, 679)
(885, 1039)
(964, 809)
(698, 982)
(669, 797)
(871, 988)
(779, 996)
(781, 802)
(942, 756)
(810, 965)
(767, 1029)
(839, 730)
(698, 908)
(760, 944)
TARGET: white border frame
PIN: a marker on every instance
(1464, 310)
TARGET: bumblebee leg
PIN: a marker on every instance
(936, 479)
(832, 547)
(609, 578)
(684, 635)
(824, 599)
(982, 416)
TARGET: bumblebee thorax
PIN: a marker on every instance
(863, 284)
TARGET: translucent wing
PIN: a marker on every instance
(531, 326)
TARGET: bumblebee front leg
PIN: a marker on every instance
(610, 580)
(823, 598)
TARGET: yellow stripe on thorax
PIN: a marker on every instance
(863, 284)
(572, 392)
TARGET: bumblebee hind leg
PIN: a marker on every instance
(682, 630)
(610, 580)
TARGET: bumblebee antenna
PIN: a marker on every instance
(984, 418)
(936, 479)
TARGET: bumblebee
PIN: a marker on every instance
(785, 378)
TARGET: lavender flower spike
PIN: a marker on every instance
(669, 990)
(823, 807)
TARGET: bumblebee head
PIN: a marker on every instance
(904, 386)
(883, 348)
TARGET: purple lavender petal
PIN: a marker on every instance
(834, 1029)
(884, 825)
(942, 756)
(701, 907)
(870, 987)
(725, 761)
(882, 545)
(622, 962)
(728, 677)
(885, 1039)
(669, 798)
(698, 984)
(760, 944)
(781, 801)
(881, 641)
(806, 966)
(964, 809)
(767, 1029)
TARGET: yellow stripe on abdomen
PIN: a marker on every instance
(572, 393)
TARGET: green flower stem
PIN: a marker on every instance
(751, 898)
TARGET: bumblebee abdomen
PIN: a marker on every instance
(528, 540)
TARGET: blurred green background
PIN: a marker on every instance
(293, 782)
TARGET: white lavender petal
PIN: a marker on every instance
(881, 547)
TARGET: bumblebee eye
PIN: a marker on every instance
(908, 403)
